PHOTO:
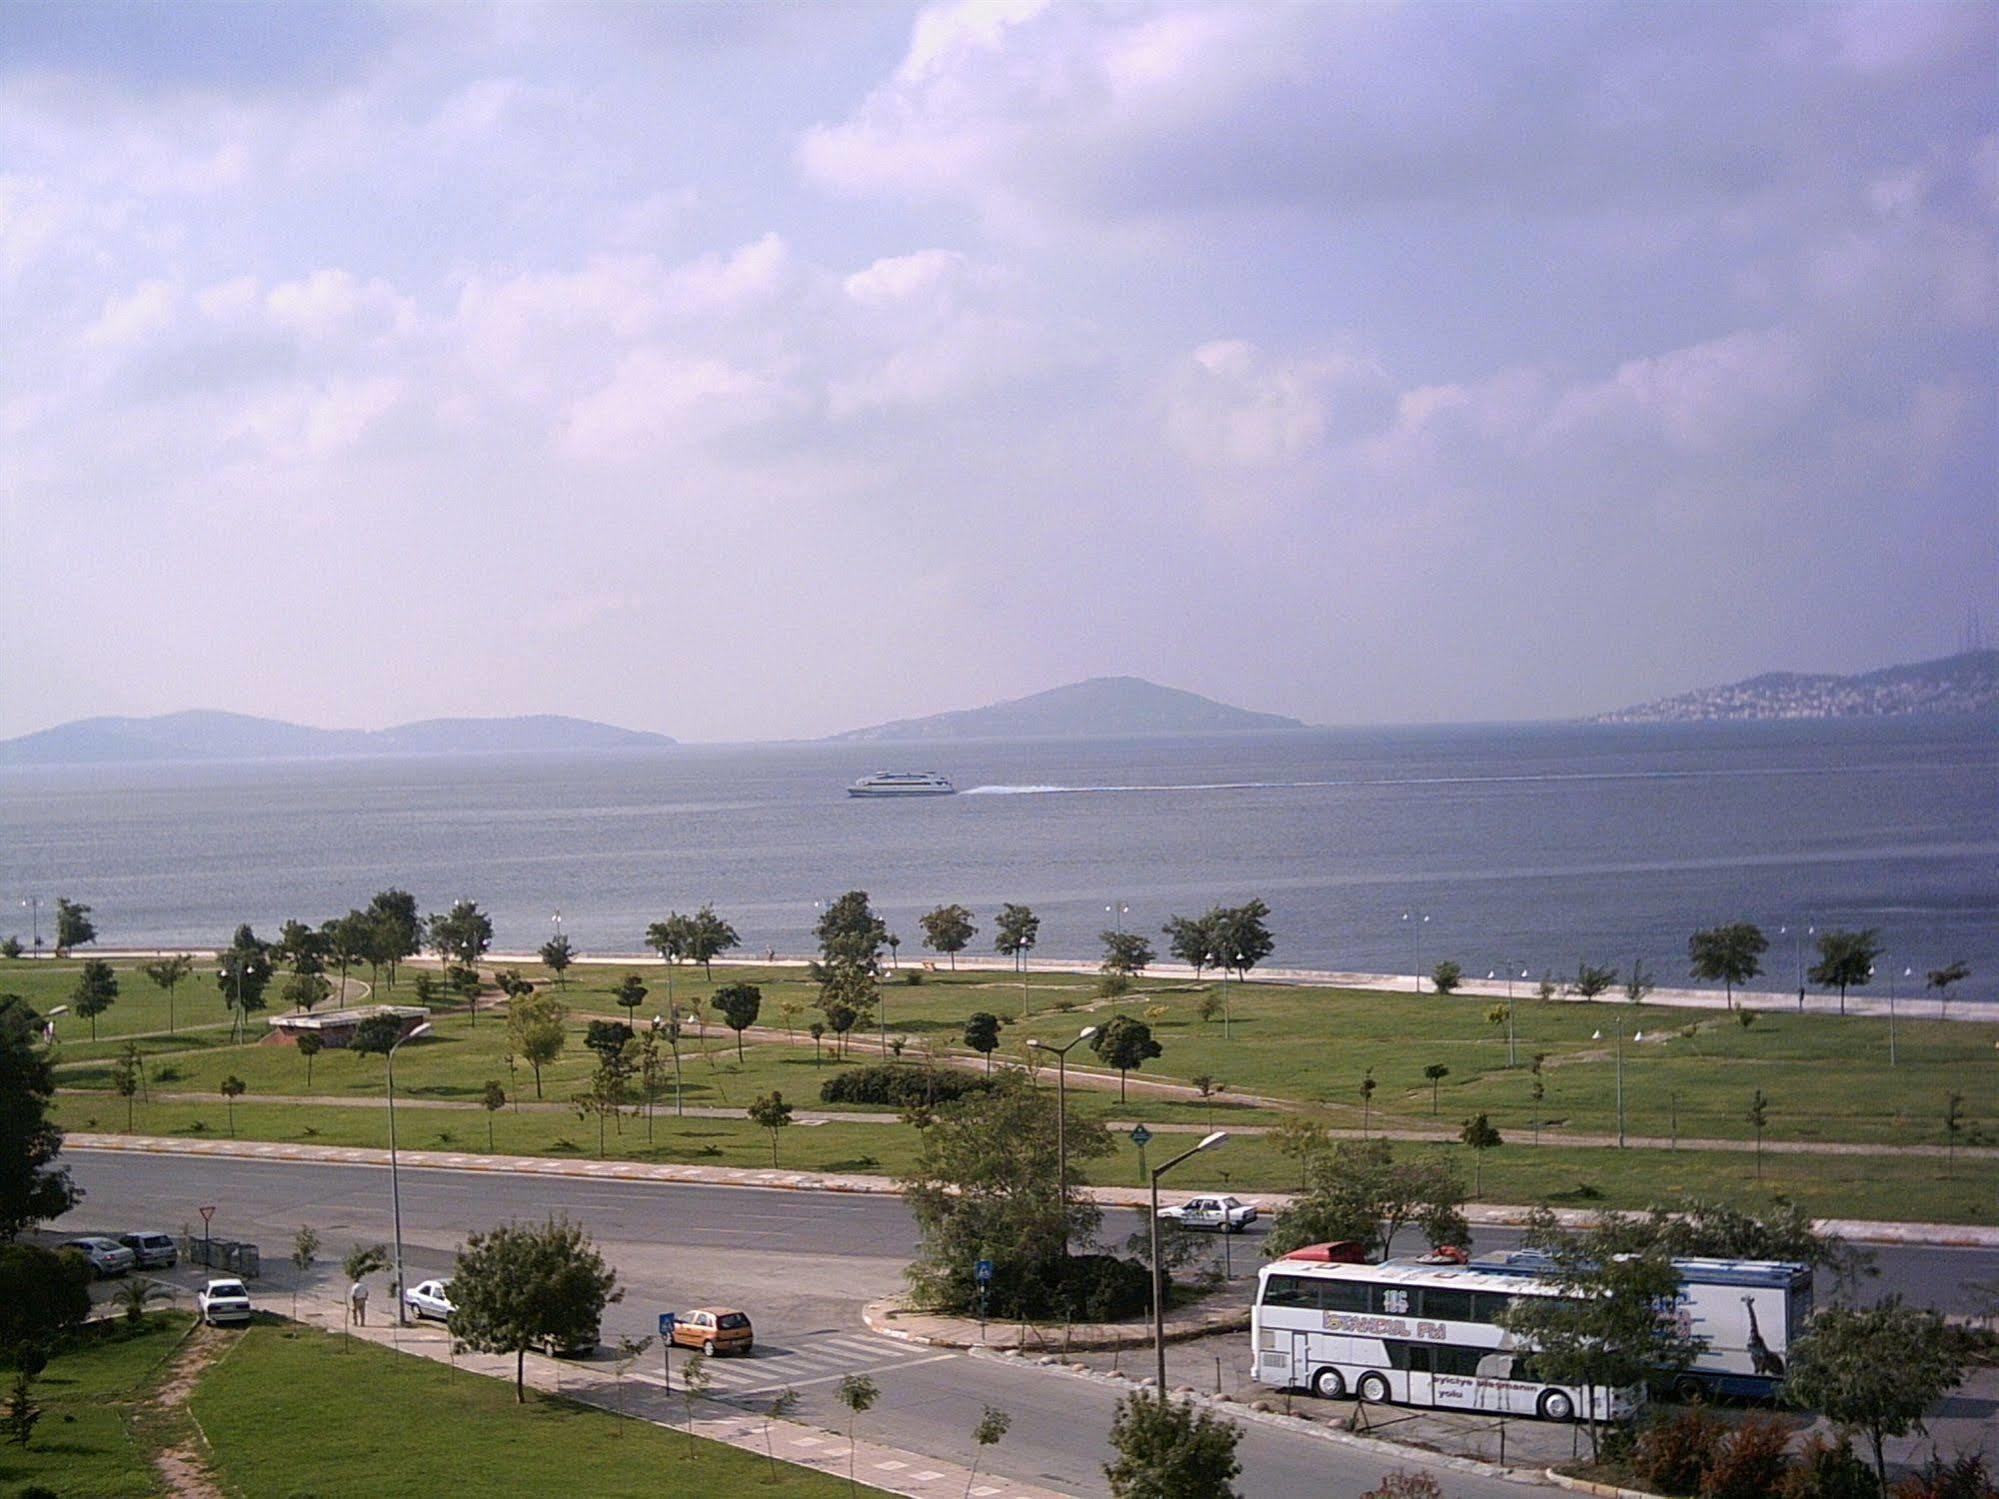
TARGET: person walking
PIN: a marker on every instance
(357, 1304)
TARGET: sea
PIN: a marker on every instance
(1517, 848)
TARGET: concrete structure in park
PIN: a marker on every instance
(337, 1027)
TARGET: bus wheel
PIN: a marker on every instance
(1687, 1389)
(1328, 1385)
(1373, 1389)
(1554, 1405)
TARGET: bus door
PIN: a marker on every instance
(1413, 1372)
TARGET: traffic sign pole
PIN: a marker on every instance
(666, 1321)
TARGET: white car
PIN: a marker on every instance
(430, 1299)
(223, 1301)
(1228, 1214)
(106, 1256)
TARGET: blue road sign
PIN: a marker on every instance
(982, 1271)
(666, 1321)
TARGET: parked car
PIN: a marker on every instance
(429, 1299)
(580, 1348)
(223, 1301)
(715, 1329)
(1228, 1214)
(151, 1251)
(106, 1256)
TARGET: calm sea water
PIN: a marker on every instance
(1530, 846)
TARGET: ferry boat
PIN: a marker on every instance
(902, 783)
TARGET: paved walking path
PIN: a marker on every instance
(1952, 1234)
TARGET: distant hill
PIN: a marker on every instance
(1967, 683)
(207, 735)
(1100, 706)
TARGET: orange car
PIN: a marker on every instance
(714, 1329)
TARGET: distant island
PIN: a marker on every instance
(1967, 683)
(207, 735)
(1101, 706)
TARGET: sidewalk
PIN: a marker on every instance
(1951, 1235)
(643, 1396)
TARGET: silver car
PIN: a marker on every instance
(430, 1299)
(151, 1251)
(106, 1256)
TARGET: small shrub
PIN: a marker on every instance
(167, 1072)
(1825, 1469)
(1745, 1018)
(1963, 1477)
(11, 948)
(1750, 1463)
(1063, 1006)
(1402, 1484)
(564, 1144)
(1113, 986)
(1672, 1454)
(912, 976)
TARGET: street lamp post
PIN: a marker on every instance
(1798, 955)
(395, 1177)
(1117, 911)
(1062, 1119)
(1158, 1273)
(34, 905)
(1417, 920)
(1618, 1043)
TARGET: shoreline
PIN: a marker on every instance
(1859, 1004)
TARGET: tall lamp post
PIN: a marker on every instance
(1062, 1118)
(34, 905)
(1208, 1142)
(1117, 912)
(395, 1178)
(1417, 921)
(1618, 1041)
(1798, 954)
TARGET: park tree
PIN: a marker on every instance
(1303, 1140)
(96, 990)
(348, 942)
(1759, 1117)
(535, 1033)
(557, 956)
(1015, 931)
(1171, 1449)
(309, 1044)
(1592, 979)
(631, 993)
(1479, 1136)
(1846, 960)
(127, 1073)
(376, 1035)
(994, 1424)
(1953, 1126)
(462, 934)
(305, 1251)
(301, 948)
(242, 973)
(607, 1038)
(523, 1285)
(987, 1184)
(232, 1088)
(1940, 979)
(1446, 977)
(1126, 954)
(302, 991)
(772, 1113)
(166, 974)
(708, 937)
(1242, 936)
(739, 1006)
(74, 928)
(1727, 955)
(849, 931)
(492, 1098)
(1125, 1043)
(949, 930)
(395, 931)
(44, 1295)
(1696, 1228)
(1640, 983)
(982, 1034)
(858, 1393)
(1362, 1190)
(1367, 1087)
(847, 995)
(1193, 940)
(1876, 1369)
(605, 1097)
(32, 1187)
(1435, 1073)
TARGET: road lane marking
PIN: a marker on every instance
(799, 1384)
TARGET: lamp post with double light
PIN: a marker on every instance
(1208, 1142)
(1417, 921)
(395, 1177)
(34, 906)
(1062, 1119)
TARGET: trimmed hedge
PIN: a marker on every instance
(901, 1087)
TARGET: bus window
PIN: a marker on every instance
(1441, 1305)
(1489, 1306)
(1343, 1295)
(1289, 1290)
(1410, 1358)
(1463, 1361)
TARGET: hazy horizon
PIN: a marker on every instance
(762, 372)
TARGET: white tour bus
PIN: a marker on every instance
(1746, 1312)
(1409, 1334)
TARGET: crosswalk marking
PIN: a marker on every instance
(814, 1362)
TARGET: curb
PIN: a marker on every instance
(1089, 1337)
(1398, 1452)
(1590, 1486)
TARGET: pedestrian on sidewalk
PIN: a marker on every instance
(357, 1304)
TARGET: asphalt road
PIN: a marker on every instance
(801, 1263)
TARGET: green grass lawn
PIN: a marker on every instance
(85, 1446)
(297, 1412)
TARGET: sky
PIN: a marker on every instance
(752, 371)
